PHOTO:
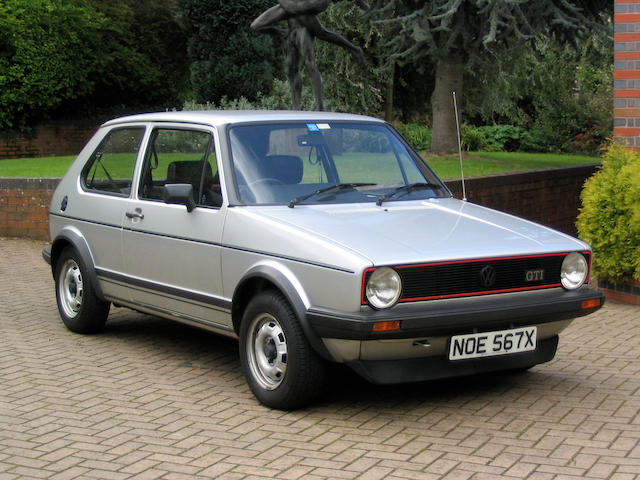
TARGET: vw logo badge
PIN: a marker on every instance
(488, 276)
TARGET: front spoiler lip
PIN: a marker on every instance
(386, 372)
(455, 316)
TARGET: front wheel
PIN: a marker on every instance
(282, 369)
(80, 309)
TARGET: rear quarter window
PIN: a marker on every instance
(110, 167)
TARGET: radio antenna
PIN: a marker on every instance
(455, 108)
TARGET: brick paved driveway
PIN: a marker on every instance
(153, 399)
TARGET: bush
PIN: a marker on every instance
(473, 139)
(226, 57)
(87, 58)
(417, 135)
(278, 99)
(141, 60)
(610, 215)
(560, 92)
(506, 138)
(47, 50)
(491, 138)
(589, 142)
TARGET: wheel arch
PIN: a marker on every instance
(276, 277)
(73, 239)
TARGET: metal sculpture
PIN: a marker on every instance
(303, 28)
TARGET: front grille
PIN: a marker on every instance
(477, 277)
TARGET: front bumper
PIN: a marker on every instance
(418, 351)
(458, 316)
(432, 368)
(46, 255)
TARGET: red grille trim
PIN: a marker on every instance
(553, 284)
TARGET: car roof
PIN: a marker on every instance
(222, 117)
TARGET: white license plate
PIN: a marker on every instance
(491, 344)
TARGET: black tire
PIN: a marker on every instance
(80, 309)
(282, 369)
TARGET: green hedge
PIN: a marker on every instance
(417, 135)
(493, 138)
(610, 215)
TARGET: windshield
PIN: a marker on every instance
(299, 163)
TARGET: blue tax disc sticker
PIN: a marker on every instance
(312, 127)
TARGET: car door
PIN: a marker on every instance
(172, 255)
(105, 188)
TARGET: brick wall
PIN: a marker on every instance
(627, 73)
(46, 141)
(550, 197)
(24, 207)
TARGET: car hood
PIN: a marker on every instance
(422, 231)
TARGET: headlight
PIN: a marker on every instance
(574, 271)
(383, 288)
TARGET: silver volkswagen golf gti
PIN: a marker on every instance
(312, 238)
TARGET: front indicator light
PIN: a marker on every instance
(386, 326)
(593, 303)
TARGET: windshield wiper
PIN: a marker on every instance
(333, 188)
(406, 190)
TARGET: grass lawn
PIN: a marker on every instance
(475, 163)
(486, 163)
(36, 167)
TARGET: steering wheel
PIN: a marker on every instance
(266, 181)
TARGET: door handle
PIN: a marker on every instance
(135, 214)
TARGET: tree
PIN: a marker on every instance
(63, 58)
(453, 34)
(226, 57)
(380, 86)
(347, 85)
(142, 56)
(47, 49)
(561, 94)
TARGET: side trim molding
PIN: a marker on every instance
(220, 303)
(177, 317)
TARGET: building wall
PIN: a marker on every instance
(627, 73)
(550, 197)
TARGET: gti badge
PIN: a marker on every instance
(534, 275)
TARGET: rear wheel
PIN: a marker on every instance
(282, 369)
(80, 309)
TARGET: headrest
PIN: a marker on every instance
(187, 171)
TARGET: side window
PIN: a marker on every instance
(110, 167)
(181, 156)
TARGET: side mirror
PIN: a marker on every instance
(179, 194)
